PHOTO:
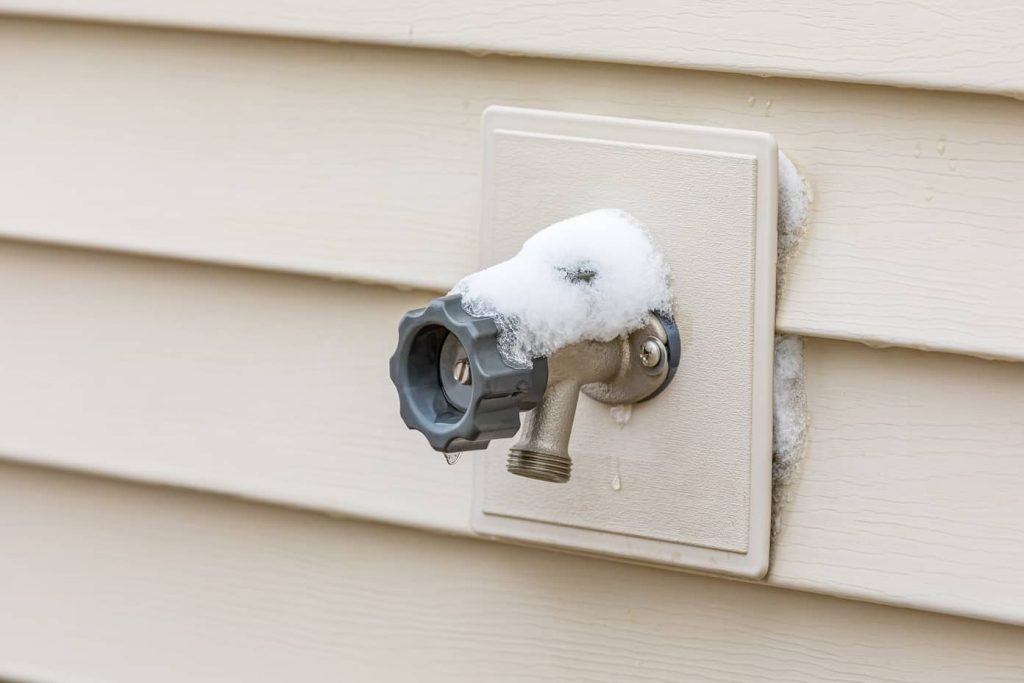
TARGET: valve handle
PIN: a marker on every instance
(453, 385)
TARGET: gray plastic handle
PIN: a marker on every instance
(456, 417)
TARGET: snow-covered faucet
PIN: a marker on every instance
(584, 306)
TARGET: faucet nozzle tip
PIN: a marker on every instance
(542, 466)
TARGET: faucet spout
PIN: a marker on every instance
(542, 451)
(626, 370)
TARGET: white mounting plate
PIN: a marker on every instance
(687, 481)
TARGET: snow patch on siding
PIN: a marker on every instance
(789, 433)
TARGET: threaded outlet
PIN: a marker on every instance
(542, 466)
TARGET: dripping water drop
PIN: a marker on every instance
(452, 458)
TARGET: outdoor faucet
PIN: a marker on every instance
(455, 387)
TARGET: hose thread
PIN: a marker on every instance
(542, 466)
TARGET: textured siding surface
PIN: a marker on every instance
(364, 163)
(943, 44)
(206, 241)
(125, 583)
(275, 387)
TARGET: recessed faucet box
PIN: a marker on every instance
(684, 479)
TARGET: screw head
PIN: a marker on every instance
(652, 351)
(461, 371)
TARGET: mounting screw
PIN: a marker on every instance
(461, 371)
(652, 351)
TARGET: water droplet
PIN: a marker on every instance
(452, 458)
(928, 195)
(941, 146)
(751, 101)
(621, 414)
(952, 164)
(768, 105)
(616, 482)
(917, 151)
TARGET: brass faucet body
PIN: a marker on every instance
(619, 372)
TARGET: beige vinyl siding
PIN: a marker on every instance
(275, 387)
(363, 163)
(206, 241)
(121, 582)
(943, 44)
